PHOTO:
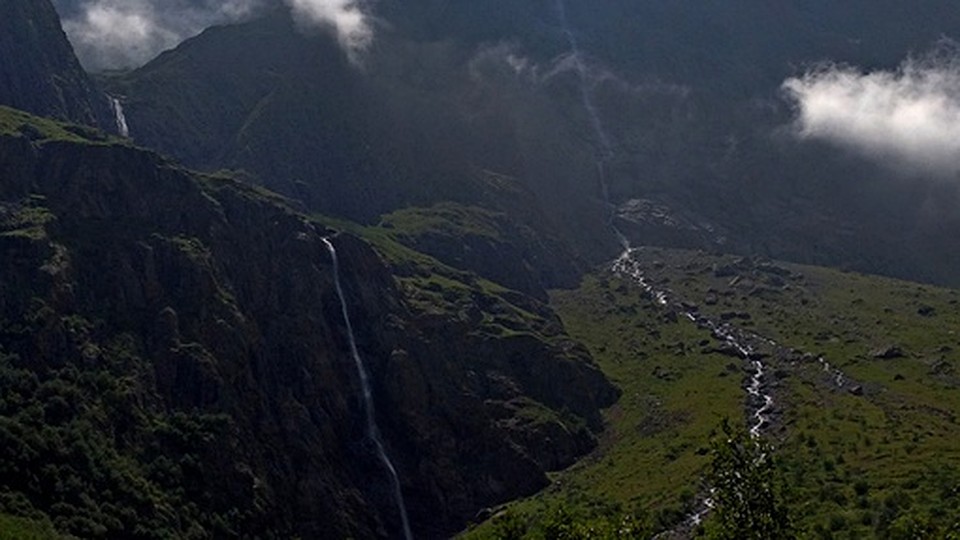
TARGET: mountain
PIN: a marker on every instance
(411, 128)
(503, 273)
(40, 73)
(688, 98)
(180, 340)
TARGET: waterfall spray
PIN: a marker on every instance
(122, 128)
(373, 432)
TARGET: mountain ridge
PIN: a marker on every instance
(40, 73)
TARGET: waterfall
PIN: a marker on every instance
(604, 147)
(119, 117)
(373, 432)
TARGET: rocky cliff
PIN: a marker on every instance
(178, 365)
(39, 72)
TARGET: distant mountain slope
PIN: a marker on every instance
(175, 361)
(286, 105)
(688, 95)
(38, 70)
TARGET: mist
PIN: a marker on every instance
(120, 34)
(907, 118)
(346, 17)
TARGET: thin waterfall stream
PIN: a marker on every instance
(373, 432)
(604, 147)
(760, 403)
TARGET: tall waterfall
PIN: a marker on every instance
(604, 146)
(373, 432)
(122, 128)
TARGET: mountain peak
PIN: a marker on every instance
(39, 72)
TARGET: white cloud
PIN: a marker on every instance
(909, 117)
(347, 18)
(109, 34)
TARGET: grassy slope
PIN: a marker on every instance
(860, 465)
(881, 464)
(430, 286)
(17, 123)
(654, 451)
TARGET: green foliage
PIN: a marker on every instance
(83, 453)
(15, 123)
(747, 493)
(18, 528)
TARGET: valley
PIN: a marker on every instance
(862, 417)
(553, 269)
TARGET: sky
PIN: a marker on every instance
(907, 118)
(118, 34)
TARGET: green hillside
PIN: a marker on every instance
(875, 456)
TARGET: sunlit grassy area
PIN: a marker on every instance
(878, 454)
(653, 453)
(874, 457)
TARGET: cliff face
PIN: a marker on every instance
(39, 72)
(178, 363)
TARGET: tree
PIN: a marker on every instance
(747, 498)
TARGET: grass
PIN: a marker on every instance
(18, 528)
(445, 218)
(27, 219)
(434, 288)
(654, 450)
(16, 123)
(876, 457)
(857, 463)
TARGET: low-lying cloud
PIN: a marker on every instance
(908, 117)
(116, 34)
